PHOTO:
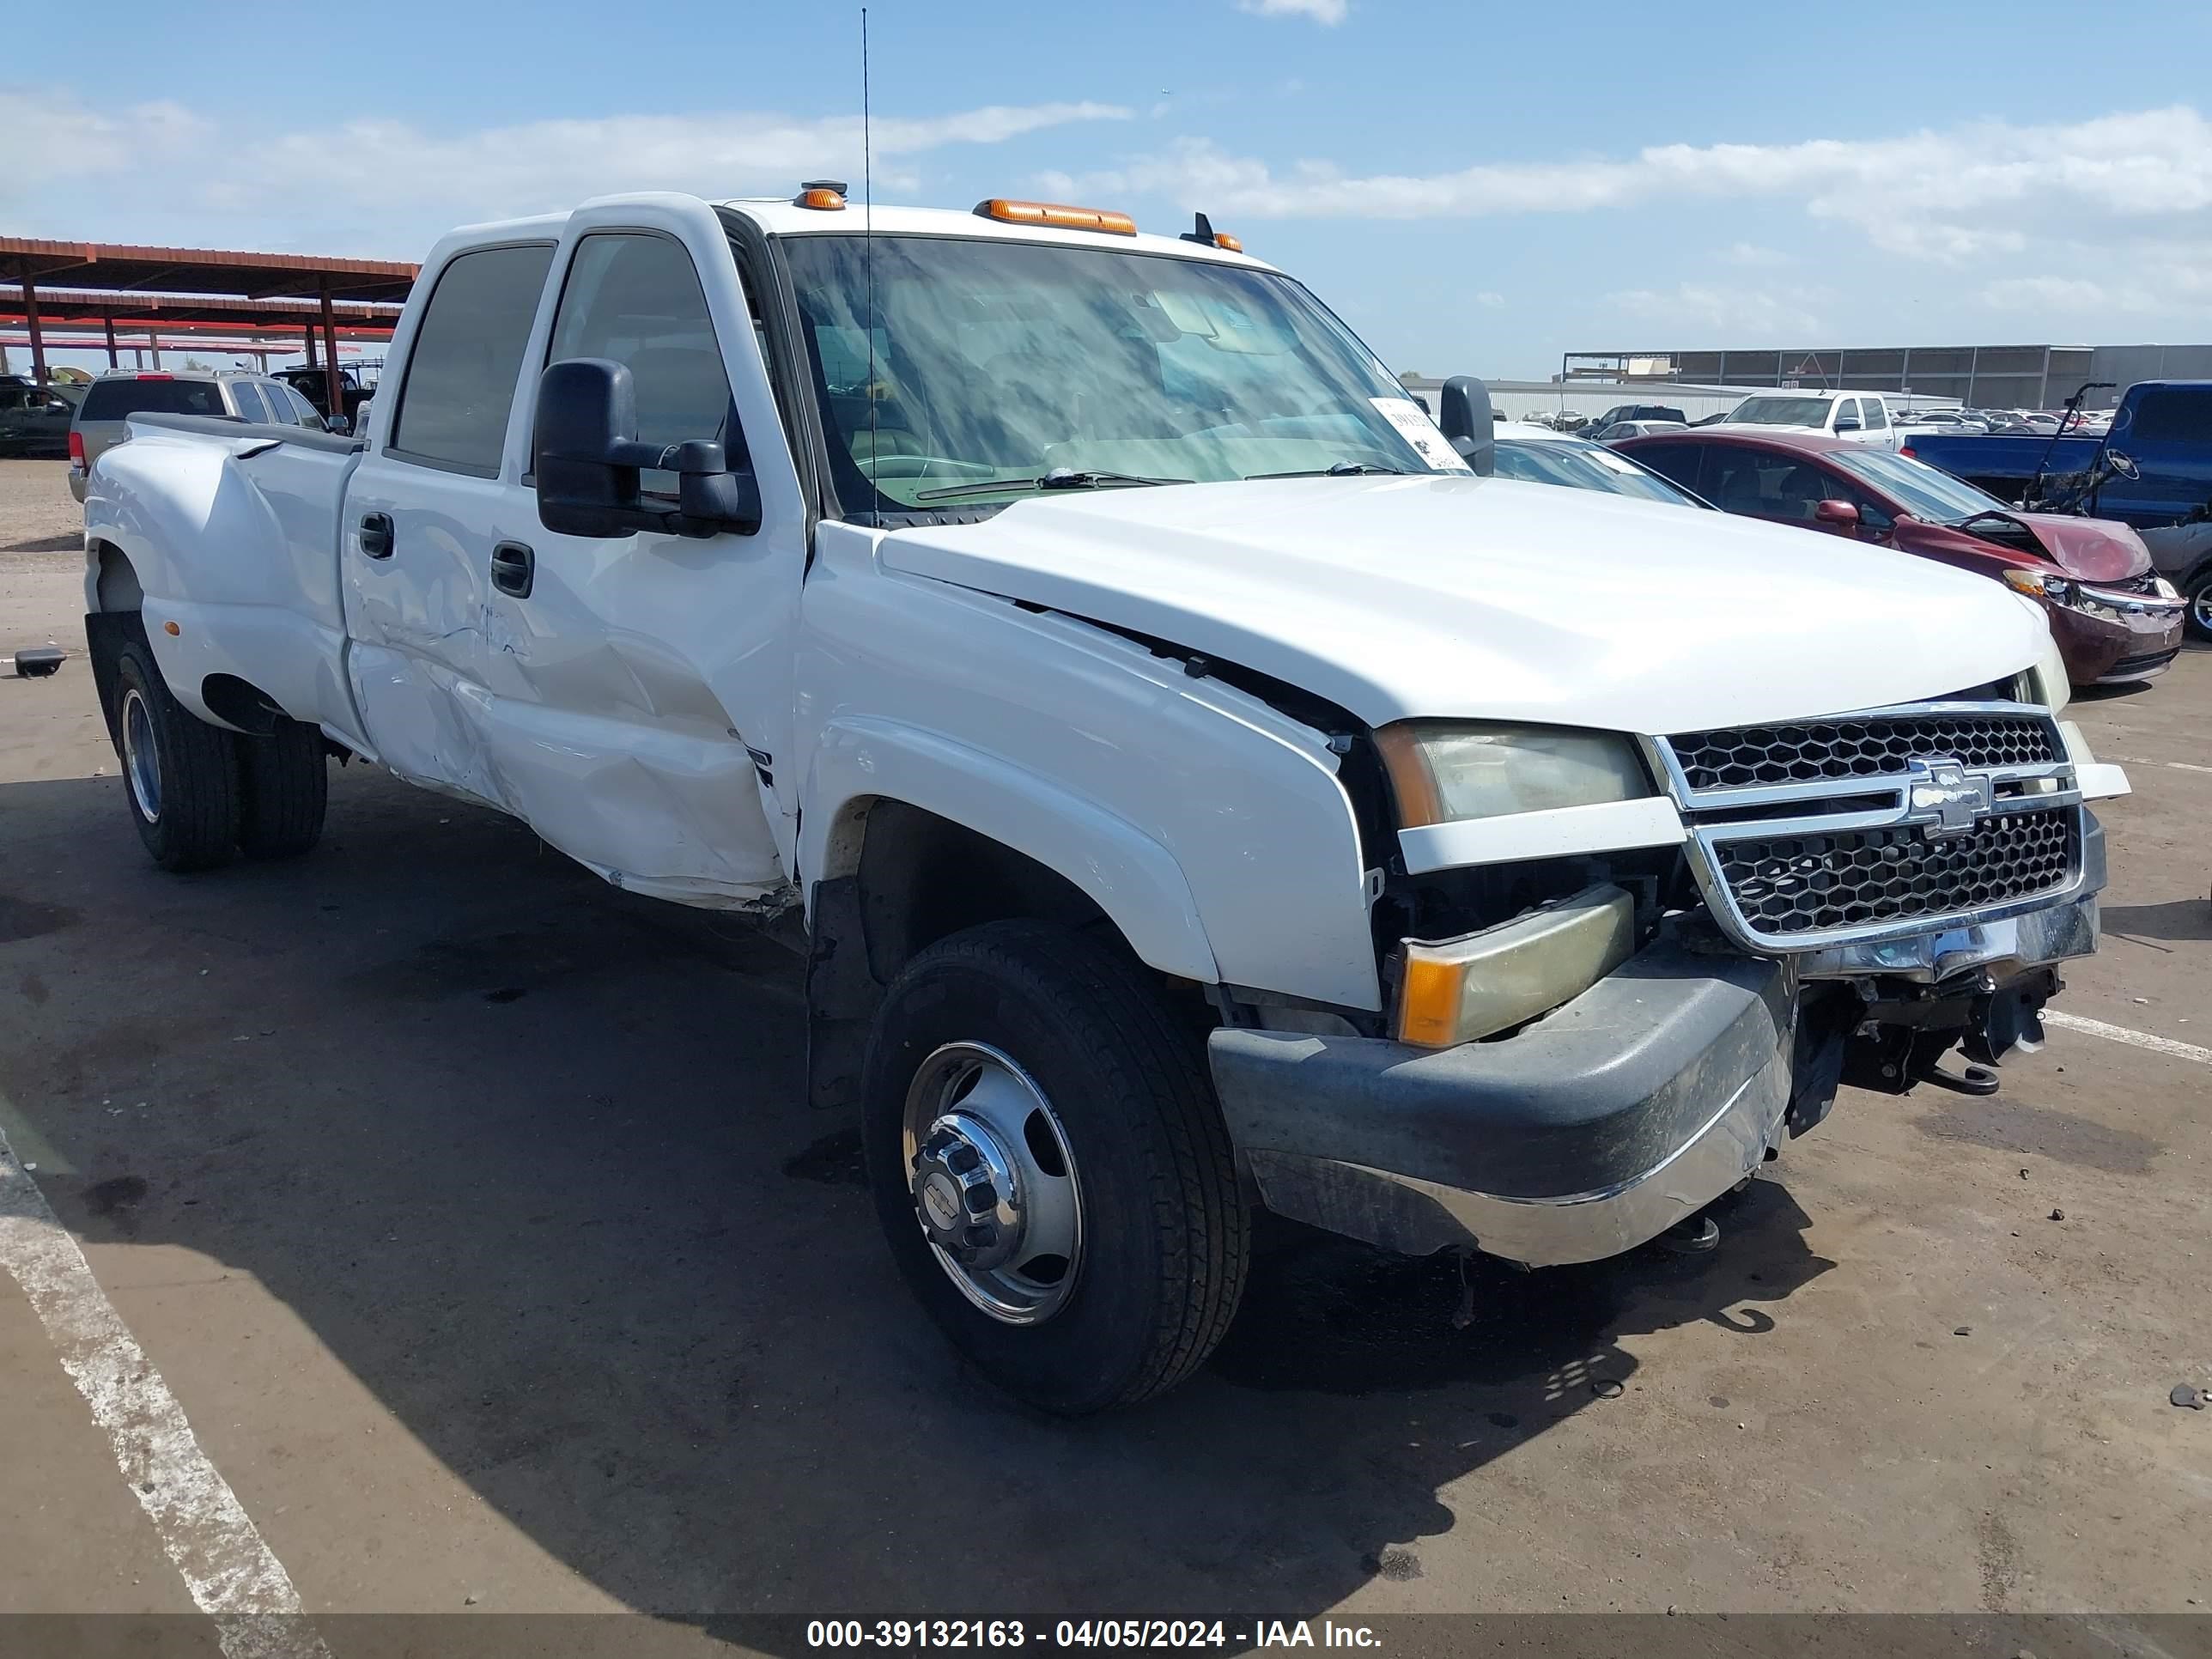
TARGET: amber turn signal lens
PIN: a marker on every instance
(1057, 215)
(821, 200)
(1223, 239)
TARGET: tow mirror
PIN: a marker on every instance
(1465, 421)
(588, 458)
(1838, 515)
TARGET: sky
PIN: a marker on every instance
(1475, 186)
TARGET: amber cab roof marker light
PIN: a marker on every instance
(823, 195)
(1057, 215)
(1206, 235)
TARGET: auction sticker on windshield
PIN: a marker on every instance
(1415, 427)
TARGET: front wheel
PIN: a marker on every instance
(179, 773)
(2198, 592)
(1050, 1169)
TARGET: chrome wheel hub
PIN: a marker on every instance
(142, 757)
(994, 1188)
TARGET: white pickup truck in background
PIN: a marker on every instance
(1203, 787)
(1862, 417)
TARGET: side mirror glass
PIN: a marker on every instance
(1466, 422)
(588, 458)
(337, 423)
(1838, 515)
(1846, 423)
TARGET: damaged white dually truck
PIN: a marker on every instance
(1204, 790)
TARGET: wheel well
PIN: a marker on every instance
(241, 703)
(905, 879)
(117, 588)
(923, 878)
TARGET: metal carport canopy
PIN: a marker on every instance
(65, 270)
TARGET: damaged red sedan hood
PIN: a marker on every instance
(2087, 549)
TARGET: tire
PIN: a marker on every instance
(284, 791)
(2198, 590)
(179, 773)
(1163, 1232)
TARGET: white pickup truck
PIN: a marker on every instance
(1203, 788)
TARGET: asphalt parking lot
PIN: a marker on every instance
(470, 1210)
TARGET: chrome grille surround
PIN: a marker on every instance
(1874, 825)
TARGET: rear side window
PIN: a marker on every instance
(460, 378)
(1877, 416)
(247, 397)
(2173, 415)
(113, 400)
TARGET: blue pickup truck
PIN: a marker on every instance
(2152, 470)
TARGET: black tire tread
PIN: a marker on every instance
(284, 791)
(2197, 583)
(1143, 1055)
(199, 784)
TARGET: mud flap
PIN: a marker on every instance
(105, 633)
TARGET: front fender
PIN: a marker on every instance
(1129, 876)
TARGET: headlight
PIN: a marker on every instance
(1445, 773)
(2166, 590)
(2059, 591)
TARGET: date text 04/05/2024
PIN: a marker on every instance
(897, 1633)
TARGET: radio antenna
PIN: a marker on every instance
(868, 244)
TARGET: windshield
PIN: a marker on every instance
(1781, 411)
(1003, 362)
(1922, 490)
(1584, 466)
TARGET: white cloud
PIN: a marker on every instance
(1952, 194)
(548, 164)
(1740, 313)
(1489, 299)
(1328, 13)
(1752, 256)
(398, 183)
(54, 137)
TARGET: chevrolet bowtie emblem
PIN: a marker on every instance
(1947, 798)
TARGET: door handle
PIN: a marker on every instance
(513, 569)
(376, 536)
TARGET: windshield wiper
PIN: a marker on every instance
(1342, 470)
(1061, 477)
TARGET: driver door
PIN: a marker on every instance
(638, 686)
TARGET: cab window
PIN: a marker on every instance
(460, 376)
(635, 296)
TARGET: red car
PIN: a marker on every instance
(2114, 619)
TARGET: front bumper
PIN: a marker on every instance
(2105, 650)
(1591, 1131)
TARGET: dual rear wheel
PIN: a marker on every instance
(199, 792)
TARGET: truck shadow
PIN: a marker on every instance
(527, 1155)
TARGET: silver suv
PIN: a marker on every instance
(115, 396)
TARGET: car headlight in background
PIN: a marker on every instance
(1445, 772)
(2166, 590)
(2063, 591)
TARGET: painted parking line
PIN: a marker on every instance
(2157, 1045)
(2173, 766)
(215, 1546)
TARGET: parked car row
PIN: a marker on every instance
(110, 402)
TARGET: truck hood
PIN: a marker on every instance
(1482, 597)
(2087, 549)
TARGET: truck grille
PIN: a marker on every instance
(1804, 884)
(1870, 746)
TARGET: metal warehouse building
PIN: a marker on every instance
(1979, 376)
